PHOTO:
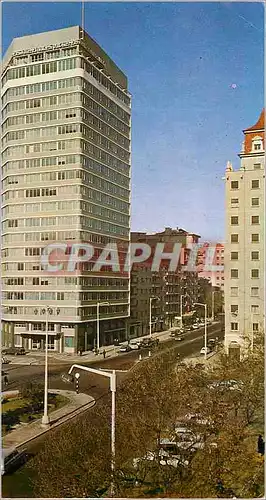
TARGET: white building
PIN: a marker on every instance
(244, 247)
(66, 116)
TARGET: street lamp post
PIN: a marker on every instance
(213, 292)
(205, 327)
(151, 299)
(98, 323)
(181, 310)
(112, 378)
(45, 418)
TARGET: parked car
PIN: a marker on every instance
(149, 342)
(5, 361)
(134, 345)
(195, 326)
(174, 332)
(205, 349)
(178, 338)
(4, 378)
(232, 385)
(14, 351)
(125, 348)
(211, 343)
(11, 459)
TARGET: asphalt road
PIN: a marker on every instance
(95, 385)
(14, 484)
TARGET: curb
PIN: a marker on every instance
(60, 421)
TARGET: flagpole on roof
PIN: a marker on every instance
(82, 17)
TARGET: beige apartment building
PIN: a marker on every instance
(244, 247)
(66, 117)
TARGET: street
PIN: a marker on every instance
(95, 385)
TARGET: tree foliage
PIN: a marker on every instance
(156, 397)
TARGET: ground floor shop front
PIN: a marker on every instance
(63, 338)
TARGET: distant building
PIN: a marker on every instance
(215, 276)
(245, 239)
(164, 286)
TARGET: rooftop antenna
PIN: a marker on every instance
(82, 18)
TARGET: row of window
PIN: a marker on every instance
(253, 255)
(64, 175)
(22, 150)
(72, 128)
(65, 296)
(234, 290)
(106, 283)
(75, 83)
(255, 219)
(254, 309)
(87, 163)
(255, 238)
(41, 56)
(254, 273)
(73, 145)
(235, 327)
(64, 65)
(255, 202)
(255, 183)
(68, 205)
(69, 312)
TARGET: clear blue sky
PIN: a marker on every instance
(181, 60)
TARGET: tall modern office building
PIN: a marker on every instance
(66, 117)
(245, 241)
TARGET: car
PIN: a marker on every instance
(125, 348)
(178, 338)
(134, 345)
(14, 351)
(205, 349)
(12, 458)
(174, 332)
(232, 385)
(195, 326)
(68, 378)
(149, 342)
(5, 361)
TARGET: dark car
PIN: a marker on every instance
(12, 459)
(178, 338)
(14, 351)
(149, 342)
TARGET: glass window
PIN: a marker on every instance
(234, 221)
(255, 309)
(254, 255)
(234, 309)
(234, 273)
(254, 273)
(255, 202)
(234, 238)
(257, 166)
(234, 326)
(255, 219)
(255, 327)
(234, 291)
(254, 291)
(255, 184)
(234, 201)
(255, 238)
(69, 341)
(234, 184)
(234, 255)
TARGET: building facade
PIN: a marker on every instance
(165, 287)
(215, 276)
(66, 118)
(244, 247)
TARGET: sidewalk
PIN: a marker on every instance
(26, 432)
(37, 358)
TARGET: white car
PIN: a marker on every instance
(134, 345)
(205, 349)
(195, 326)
